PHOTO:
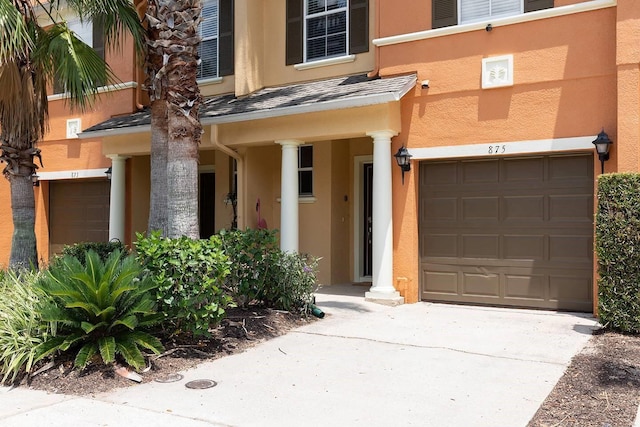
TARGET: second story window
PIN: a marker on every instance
(216, 32)
(325, 28)
(208, 49)
(305, 170)
(319, 29)
(92, 33)
(453, 12)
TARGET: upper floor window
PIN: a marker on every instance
(216, 32)
(454, 12)
(319, 29)
(92, 33)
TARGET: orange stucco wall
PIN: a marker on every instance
(572, 76)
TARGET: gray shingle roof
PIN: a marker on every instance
(335, 93)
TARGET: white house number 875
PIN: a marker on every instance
(497, 149)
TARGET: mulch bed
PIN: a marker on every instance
(600, 388)
(241, 329)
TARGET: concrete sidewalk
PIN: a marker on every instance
(364, 364)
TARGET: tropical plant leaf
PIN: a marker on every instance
(84, 355)
(130, 322)
(107, 346)
(130, 352)
(147, 341)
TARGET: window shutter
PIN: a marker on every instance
(444, 13)
(98, 37)
(225, 38)
(533, 5)
(294, 32)
(359, 26)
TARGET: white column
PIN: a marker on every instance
(382, 289)
(117, 200)
(289, 196)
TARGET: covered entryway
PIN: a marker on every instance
(78, 212)
(510, 231)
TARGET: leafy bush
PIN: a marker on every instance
(98, 308)
(618, 249)
(293, 282)
(188, 275)
(103, 249)
(22, 329)
(252, 254)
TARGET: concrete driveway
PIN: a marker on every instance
(364, 364)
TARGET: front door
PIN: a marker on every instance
(367, 241)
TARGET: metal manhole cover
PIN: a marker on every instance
(171, 378)
(201, 384)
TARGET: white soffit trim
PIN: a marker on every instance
(115, 131)
(501, 149)
(498, 22)
(72, 174)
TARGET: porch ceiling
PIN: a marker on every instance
(319, 99)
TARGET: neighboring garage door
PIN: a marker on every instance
(78, 212)
(509, 231)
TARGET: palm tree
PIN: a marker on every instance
(172, 61)
(36, 49)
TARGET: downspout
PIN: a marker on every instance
(240, 173)
(376, 70)
(141, 9)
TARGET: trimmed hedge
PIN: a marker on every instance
(103, 249)
(618, 250)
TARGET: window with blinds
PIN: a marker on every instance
(477, 10)
(208, 49)
(325, 28)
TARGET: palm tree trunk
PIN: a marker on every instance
(158, 215)
(23, 209)
(184, 128)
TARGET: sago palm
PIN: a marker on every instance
(99, 308)
(36, 48)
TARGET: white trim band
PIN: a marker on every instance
(325, 62)
(103, 89)
(501, 149)
(498, 22)
(72, 174)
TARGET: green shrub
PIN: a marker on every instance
(99, 308)
(189, 275)
(293, 282)
(22, 329)
(103, 249)
(618, 250)
(252, 254)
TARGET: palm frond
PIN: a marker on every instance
(84, 355)
(16, 42)
(107, 346)
(130, 352)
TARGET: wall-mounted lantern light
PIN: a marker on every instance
(404, 160)
(35, 180)
(108, 173)
(602, 143)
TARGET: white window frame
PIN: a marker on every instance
(215, 37)
(308, 16)
(490, 16)
(305, 169)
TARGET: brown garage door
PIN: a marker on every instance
(509, 231)
(78, 212)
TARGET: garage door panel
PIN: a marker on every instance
(441, 282)
(525, 247)
(526, 286)
(518, 208)
(529, 170)
(480, 246)
(573, 208)
(481, 284)
(571, 248)
(442, 209)
(514, 242)
(442, 245)
(480, 208)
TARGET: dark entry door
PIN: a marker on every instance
(367, 244)
(207, 204)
